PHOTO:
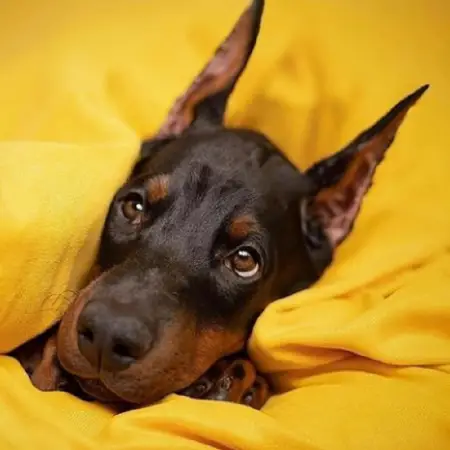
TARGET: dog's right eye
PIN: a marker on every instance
(133, 208)
(245, 262)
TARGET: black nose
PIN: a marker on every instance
(111, 341)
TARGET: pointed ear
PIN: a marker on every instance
(343, 179)
(206, 98)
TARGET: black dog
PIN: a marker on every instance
(213, 224)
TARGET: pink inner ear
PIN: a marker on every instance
(217, 76)
(337, 207)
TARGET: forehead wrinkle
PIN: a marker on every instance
(240, 170)
(194, 227)
(230, 157)
(193, 217)
(221, 182)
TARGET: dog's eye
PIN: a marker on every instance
(133, 208)
(244, 262)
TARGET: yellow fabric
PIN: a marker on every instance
(362, 360)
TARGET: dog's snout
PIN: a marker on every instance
(111, 342)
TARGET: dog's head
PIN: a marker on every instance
(213, 224)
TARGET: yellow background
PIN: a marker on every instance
(361, 360)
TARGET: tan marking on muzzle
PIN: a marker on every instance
(68, 353)
(184, 352)
(182, 357)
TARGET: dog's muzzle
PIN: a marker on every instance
(136, 357)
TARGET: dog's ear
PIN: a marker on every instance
(204, 102)
(342, 180)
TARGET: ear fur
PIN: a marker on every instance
(344, 178)
(205, 100)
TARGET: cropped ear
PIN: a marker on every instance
(342, 180)
(206, 98)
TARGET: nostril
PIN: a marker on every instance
(127, 350)
(119, 354)
(86, 334)
(122, 350)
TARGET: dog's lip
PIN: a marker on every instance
(106, 387)
(87, 372)
(97, 389)
(103, 389)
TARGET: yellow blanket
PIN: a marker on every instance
(362, 360)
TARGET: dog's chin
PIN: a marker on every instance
(120, 393)
(97, 391)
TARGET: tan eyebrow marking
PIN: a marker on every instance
(158, 188)
(241, 226)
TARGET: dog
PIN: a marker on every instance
(213, 224)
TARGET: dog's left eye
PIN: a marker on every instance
(245, 262)
(133, 208)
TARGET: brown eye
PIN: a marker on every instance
(244, 263)
(133, 209)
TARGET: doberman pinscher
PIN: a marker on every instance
(213, 224)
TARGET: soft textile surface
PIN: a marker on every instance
(362, 360)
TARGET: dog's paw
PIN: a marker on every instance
(233, 381)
